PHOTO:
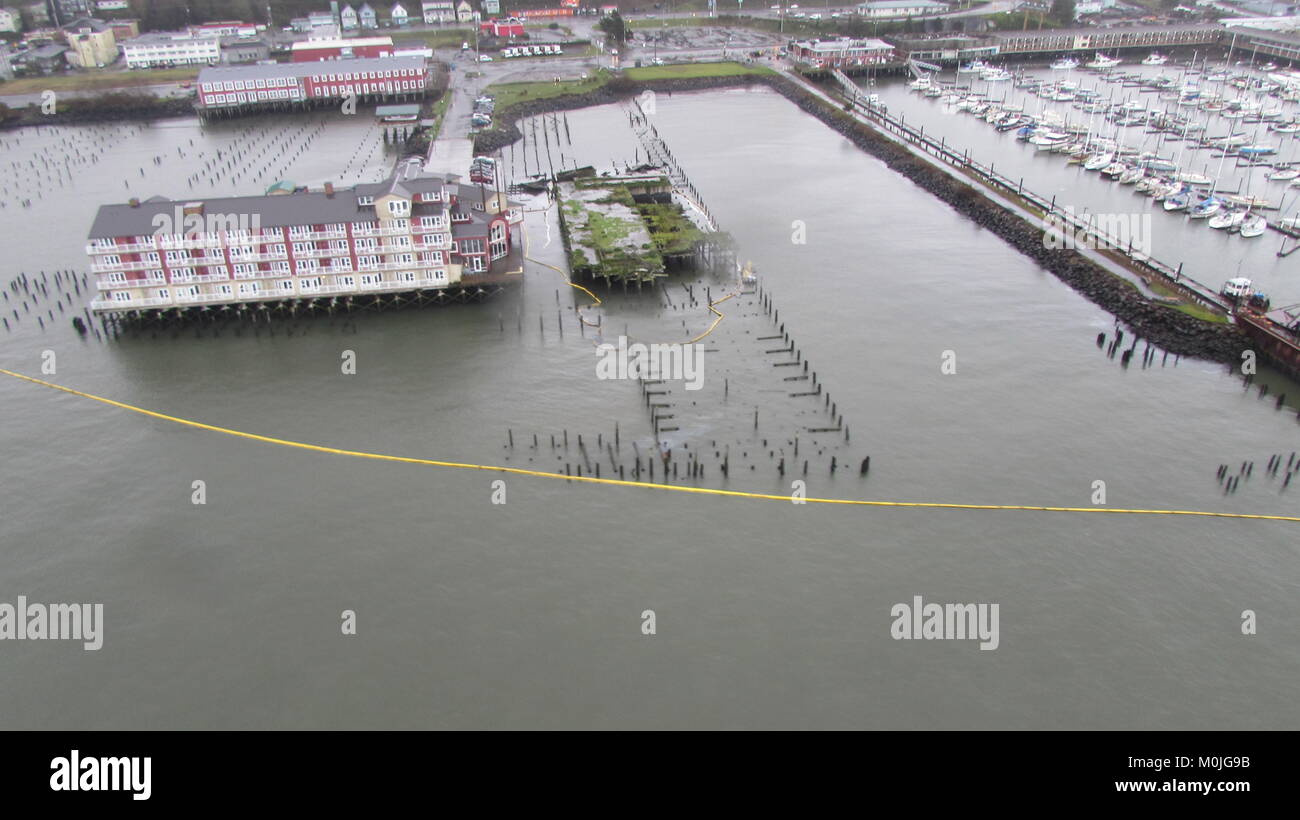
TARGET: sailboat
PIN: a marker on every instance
(1102, 61)
(1227, 219)
(1253, 226)
(1284, 174)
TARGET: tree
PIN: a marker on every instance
(614, 26)
(1062, 11)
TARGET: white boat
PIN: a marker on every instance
(1291, 224)
(1206, 208)
(973, 67)
(1236, 287)
(1155, 58)
(1132, 175)
(1282, 174)
(1253, 226)
(995, 75)
(1192, 178)
(1065, 64)
(1102, 61)
(920, 83)
(1098, 161)
(1226, 220)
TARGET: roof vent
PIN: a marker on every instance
(134, 202)
(329, 190)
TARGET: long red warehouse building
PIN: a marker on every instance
(368, 79)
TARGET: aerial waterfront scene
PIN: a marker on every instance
(508, 364)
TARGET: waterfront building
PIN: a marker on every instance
(91, 43)
(171, 48)
(412, 232)
(366, 16)
(1106, 39)
(312, 50)
(239, 89)
(465, 12)
(845, 52)
(323, 25)
(348, 19)
(398, 15)
(244, 50)
(877, 9)
(491, 6)
(513, 27)
(438, 11)
(124, 29)
(225, 28)
(44, 59)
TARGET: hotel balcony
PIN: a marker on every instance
(318, 253)
(129, 304)
(121, 267)
(337, 233)
(153, 281)
(133, 247)
(381, 231)
(259, 257)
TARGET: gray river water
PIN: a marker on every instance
(529, 614)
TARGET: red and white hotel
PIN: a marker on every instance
(244, 87)
(411, 232)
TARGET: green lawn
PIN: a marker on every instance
(97, 80)
(451, 38)
(508, 94)
(665, 72)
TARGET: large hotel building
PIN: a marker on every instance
(412, 232)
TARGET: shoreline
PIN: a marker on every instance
(1159, 324)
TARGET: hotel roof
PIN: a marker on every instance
(282, 210)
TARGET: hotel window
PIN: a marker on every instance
(399, 207)
(365, 200)
(278, 249)
(299, 231)
(223, 290)
(121, 296)
(346, 280)
(468, 246)
(476, 263)
(286, 284)
(366, 243)
(280, 267)
(248, 288)
(245, 270)
(342, 263)
(117, 278)
(339, 244)
(431, 258)
(307, 265)
(401, 242)
(406, 276)
(405, 258)
(371, 279)
(364, 262)
(303, 247)
(163, 294)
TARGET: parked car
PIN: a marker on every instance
(483, 58)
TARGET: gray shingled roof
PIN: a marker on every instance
(302, 208)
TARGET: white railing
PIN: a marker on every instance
(119, 267)
(260, 257)
(133, 247)
(129, 304)
(333, 234)
(131, 283)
